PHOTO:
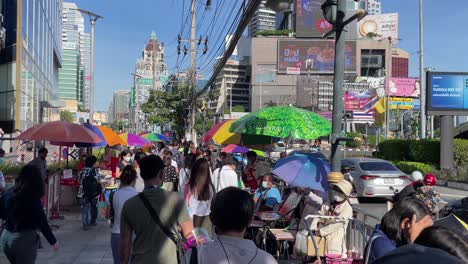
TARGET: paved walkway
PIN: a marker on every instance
(76, 246)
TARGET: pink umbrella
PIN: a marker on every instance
(60, 131)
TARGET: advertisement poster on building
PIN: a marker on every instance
(405, 87)
(403, 103)
(321, 53)
(380, 26)
(310, 22)
(309, 19)
(360, 101)
(447, 93)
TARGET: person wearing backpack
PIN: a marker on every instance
(89, 190)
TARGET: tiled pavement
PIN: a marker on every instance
(76, 246)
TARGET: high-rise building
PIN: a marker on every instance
(120, 104)
(151, 74)
(69, 75)
(263, 19)
(85, 51)
(373, 7)
(74, 35)
(400, 63)
(30, 62)
(233, 85)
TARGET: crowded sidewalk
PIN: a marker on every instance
(76, 246)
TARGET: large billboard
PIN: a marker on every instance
(447, 93)
(310, 22)
(380, 26)
(309, 19)
(405, 87)
(321, 53)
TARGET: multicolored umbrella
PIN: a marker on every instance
(232, 148)
(283, 122)
(154, 137)
(300, 171)
(221, 135)
(134, 140)
(110, 136)
(60, 131)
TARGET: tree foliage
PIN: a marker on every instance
(66, 115)
(169, 107)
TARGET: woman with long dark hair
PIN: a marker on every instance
(443, 238)
(199, 192)
(170, 173)
(22, 211)
(400, 226)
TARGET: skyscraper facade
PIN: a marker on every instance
(74, 35)
(263, 19)
(120, 104)
(150, 74)
(30, 62)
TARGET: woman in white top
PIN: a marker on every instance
(198, 194)
(140, 183)
(184, 173)
(118, 199)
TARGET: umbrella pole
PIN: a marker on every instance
(68, 151)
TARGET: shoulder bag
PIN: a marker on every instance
(174, 237)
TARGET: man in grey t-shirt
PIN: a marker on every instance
(231, 213)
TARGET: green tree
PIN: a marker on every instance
(169, 107)
(66, 115)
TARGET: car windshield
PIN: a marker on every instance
(377, 166)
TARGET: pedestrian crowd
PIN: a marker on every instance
(183, 204)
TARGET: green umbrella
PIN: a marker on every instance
(284, 122)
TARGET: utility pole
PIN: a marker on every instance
(337, 114)
(193, 65)
(421, 72)
(387, 88)
(193, 74)
(92, 19)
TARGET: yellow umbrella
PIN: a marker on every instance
(224, 137)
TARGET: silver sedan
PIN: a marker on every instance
(375, 177)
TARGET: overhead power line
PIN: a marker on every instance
(247, 16)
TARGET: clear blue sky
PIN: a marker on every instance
(127, 25)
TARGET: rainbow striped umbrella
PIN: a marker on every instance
(134, 140)
(154, 137)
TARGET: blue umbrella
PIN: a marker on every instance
(98, 132)
(304, 172)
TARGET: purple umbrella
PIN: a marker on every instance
(301, 171)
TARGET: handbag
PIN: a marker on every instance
(174, 237)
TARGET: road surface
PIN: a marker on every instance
(378, 206)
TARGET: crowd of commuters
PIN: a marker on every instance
(167, 193)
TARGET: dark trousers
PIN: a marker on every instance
(93, 210)
(20, 247)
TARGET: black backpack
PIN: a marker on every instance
(91, 187)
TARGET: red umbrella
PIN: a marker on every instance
(60, 131)
(209, 135)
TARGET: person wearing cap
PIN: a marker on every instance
(428, 194)
(334, 230)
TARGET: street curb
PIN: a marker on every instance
(453, 185)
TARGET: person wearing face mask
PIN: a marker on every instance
(125, 159)
(267, 196)
(334, 230)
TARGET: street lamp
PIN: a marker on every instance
(92, 19)
(334, 12)
(135, 79)
(330, 11)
